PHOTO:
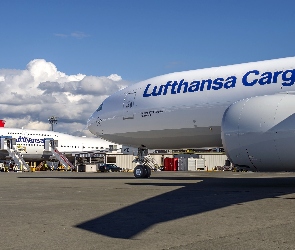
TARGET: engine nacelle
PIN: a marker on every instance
(259, 133)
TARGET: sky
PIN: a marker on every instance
(64, 57)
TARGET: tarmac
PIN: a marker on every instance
(170, 210)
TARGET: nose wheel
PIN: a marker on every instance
(142, 171)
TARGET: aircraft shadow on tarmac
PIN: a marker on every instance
(205, 195)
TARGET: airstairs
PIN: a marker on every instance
(18, 159)
(151, 162)
(62, 158)
(50, 145)
(7, 143)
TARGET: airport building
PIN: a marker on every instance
(168, 161)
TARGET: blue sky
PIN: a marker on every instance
(139, 39)
(80, 44)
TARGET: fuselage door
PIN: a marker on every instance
(128, 105)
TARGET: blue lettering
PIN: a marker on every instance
(194, 86)
(218, 82)
(245, 78)
(288, 77)
(29, 140)
(209, 81)
(168, 84)
(182, 83)
(250, 78)
(230, 82)
(145, 94)
(173, 92)
(275, 76)
(265, 78)
(155, 93)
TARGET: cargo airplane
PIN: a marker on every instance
(249, 109)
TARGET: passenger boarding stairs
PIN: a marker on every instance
(18, 159)
(62, 158)
(9, 144)
(50, 145)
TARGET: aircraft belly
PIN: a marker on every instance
(170, 138)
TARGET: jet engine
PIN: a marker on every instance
(259, 133)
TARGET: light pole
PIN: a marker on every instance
(52, 120)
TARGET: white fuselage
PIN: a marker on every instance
(31, 142)
(185, 109)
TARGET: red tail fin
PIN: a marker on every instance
(2, 123)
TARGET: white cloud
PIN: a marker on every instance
(76, 34)
(115, 77)
(29, 97)
(46, 71)
(38, 125)
(26, 123)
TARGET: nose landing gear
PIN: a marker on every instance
(142, 170)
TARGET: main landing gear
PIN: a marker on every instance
(142, 170)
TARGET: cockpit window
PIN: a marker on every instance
(100, 107)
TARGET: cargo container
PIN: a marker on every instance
(170, 164)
